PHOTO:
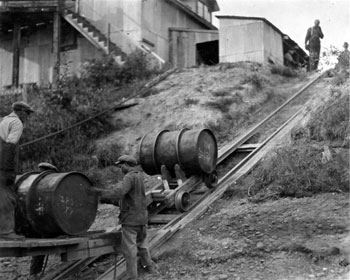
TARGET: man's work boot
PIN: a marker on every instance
(12, 236)
(151, 269)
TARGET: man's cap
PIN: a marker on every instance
(127, 159)
(47, 166)
(22, 106)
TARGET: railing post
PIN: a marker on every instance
(108, 37)
(77, 6)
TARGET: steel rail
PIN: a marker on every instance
(228, 150)
(166, 232)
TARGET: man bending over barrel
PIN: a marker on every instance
(11, 128)
(133, 216)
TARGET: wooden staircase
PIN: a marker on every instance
(93, 35)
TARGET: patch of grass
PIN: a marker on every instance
(107, 153)
(221, 93)
(331, 122)
(190, 101)
(340, 78)
(223, 103)
(104, 177)
(256, 80)
(299, 171)
(283, 71)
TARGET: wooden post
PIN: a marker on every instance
(16, 53)
(108, 38)
(56, 47)
(77, 6)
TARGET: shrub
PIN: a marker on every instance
(298, 171)
(190, 101)
(221, 93)
(256, 80)
(331, 121)
(283, 71)
(74, 100)
(223, 104)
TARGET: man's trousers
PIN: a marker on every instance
(314, 57)
(134, 244)
(8, 200)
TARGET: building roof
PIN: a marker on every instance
(212, 5)
(188, 11)
(290, 44)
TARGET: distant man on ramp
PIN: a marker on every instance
(313, 44)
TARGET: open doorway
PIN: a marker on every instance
(207, 53)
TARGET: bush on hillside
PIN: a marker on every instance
(74, 100)
(307, 166)
(256, 80)
(283, 71)
(299, 171)
(331, 122)
(106, 72)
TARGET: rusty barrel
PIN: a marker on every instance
(52, 204)
(194, 150)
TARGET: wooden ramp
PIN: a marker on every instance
(69, 247)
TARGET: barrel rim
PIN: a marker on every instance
(178, 140)
(23, 177)
(216, 150)
(29, 197)
(156, 138)
(57, 183)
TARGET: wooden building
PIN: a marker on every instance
(40, 39)
(254, 39)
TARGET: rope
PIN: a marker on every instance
(115, 266)
(44, 267)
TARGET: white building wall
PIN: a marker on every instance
(123, 17)
(5, 63)
(273, 45)
(241, 42)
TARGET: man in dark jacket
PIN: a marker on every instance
(313, 44)
(133, 216)
(11, 128)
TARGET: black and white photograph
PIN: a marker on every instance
(174, 140)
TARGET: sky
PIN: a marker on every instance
(294, 17)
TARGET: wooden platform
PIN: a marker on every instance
(70, 248)
(29, 6)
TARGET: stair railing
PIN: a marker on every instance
(119, 36)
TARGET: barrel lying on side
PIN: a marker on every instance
(194, 150)
(53, 204)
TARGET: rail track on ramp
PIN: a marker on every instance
(255, 153)
(163, 226)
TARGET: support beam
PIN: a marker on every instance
(56, 47)
(16, 53)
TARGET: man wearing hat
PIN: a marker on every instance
(313, 44)
(133, 216)
(11, 128)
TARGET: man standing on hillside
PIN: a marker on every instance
(11, 128)
(343, 58)
(313, 44)
(133, 216)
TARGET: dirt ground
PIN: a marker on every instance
(288, 238)
(305, 238)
